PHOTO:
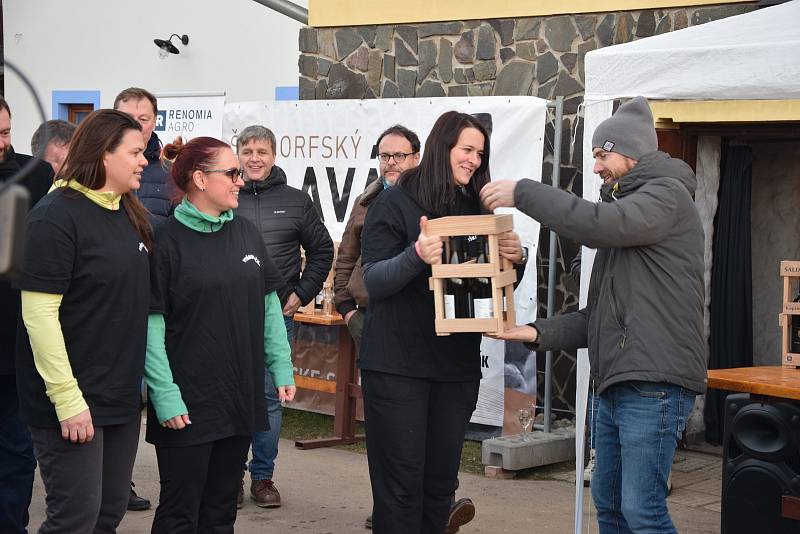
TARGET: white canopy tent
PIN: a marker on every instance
(754, 56)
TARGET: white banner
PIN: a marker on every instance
(189, 115)
(327, 148)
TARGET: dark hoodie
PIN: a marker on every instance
(37, 182)
(287, 220)
(156, 190)
(644, 315)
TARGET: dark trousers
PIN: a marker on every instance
(199, 486)
(17, 463)
(415, 432)
(87, 484)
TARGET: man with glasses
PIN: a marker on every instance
(287, 220)
(398, 151)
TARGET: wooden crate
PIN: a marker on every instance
(790, 272)
(499, 270)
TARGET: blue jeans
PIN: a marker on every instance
(17, 462)
(265, 444)
(637, 427)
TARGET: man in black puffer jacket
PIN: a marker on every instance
(643, 323)
(155, 191)
(287, 220)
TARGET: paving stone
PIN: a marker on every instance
(407, 82)
(664, 25)
(388, 66)
(308, 40)
(681, 21)
(427, 57)
(605, 31)
(485, 70)
(527, 50)
(624, 32)
(323, 66)
(307, 89)
(457, 90)
(560, 32)
(383, 37)
(430, 89)
(326, 43)
(439, 28)
(343, 83)
(390, 90)
(403, 56)
(321, 89)
(308, 66)
(707, 14)
(507, 54)
(569, 60)
(527, 28)
(409, 35)
(465, 48)
(480, 89)
(585, 24)
(368, 34)
(445, 60)
(646, 25)
(359, 60)
(546, 67)
(486, 43)
(347, 40)
(375, 70)
(514, 79)
(505, 29)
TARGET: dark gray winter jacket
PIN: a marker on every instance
(287, 220)
(644, 315)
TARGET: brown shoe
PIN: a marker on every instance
(240, 496)
(265, 494)
(461, 513)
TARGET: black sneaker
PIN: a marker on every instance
(136, 503)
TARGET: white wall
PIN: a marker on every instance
(236, 46)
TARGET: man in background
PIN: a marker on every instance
(58, 134)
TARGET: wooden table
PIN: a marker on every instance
(780, 382)
(346, 388)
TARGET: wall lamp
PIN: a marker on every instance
(165, 47)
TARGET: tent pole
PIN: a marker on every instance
(551, 274)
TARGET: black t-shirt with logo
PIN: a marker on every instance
(210, 287)
(95, 259)
(399, 334)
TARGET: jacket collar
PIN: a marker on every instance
(188, 214)
(276, 177)
(372, 191)
(153, 149)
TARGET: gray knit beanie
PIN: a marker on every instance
(629, 131)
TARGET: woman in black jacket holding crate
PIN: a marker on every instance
(419, 389)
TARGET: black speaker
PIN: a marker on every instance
(761, 464)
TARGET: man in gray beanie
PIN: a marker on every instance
(643, 322)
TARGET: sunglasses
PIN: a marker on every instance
(233, 173)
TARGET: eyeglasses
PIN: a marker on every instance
(398, 158)
(233, 173)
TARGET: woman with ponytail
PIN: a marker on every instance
(215, 328)
(84, 305)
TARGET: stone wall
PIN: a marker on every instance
(538, 56)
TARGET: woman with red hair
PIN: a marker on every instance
(215, 327)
